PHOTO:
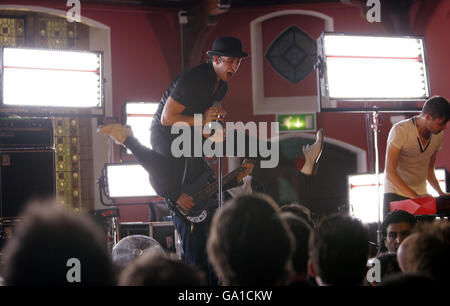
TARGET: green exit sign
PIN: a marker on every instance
(297, 122)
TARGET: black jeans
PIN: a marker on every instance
(194, 237)
(157, 165)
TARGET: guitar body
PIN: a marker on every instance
(203, 204)
(204, 194)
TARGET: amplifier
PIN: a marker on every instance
(165, 234)
(25, 175)
(26, 133)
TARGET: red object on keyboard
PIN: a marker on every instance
(424, 206)
(419, 206)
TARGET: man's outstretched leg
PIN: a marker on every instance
(156, 164)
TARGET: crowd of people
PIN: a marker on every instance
(252, 242)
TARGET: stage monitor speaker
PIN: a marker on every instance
(25, 175)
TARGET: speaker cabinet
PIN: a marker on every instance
(25, 175)
(164, 233)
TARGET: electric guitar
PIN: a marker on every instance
(202, 192)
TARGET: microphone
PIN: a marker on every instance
(219, 105)
(218, 119)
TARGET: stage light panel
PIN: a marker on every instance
(52, 78)
(127, 181)
(362, 190)
(372, 68)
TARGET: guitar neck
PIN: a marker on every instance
(213, 187)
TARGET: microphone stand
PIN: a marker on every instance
(219, 170)
(219, 178)
(375, 129)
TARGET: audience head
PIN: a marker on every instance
(339, 249)
(397, 225)
(402, 252)
(429, 251)
(51, 244)
(154, 268)
(249, 243)
(301, 231)
(300, 211)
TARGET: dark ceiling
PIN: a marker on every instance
(186, 4)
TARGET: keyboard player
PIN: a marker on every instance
(412, 147)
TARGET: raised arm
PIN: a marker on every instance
(173, 112)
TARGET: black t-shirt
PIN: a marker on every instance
(193, 89)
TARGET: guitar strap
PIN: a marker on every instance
(185, 171)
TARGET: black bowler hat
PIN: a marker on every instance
(227, 46)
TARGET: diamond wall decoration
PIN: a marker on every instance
(293, 54)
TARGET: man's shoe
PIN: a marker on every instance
(312, 154)
(116, 131)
